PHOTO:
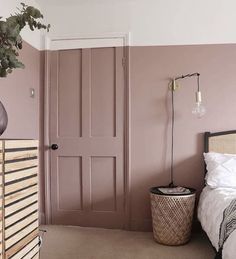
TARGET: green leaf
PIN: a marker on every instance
(3, 27)
(11, 21)
(19, 45)
(37, 14)
(4, 63)
(14, 31)
(10, 39)
(3, 72)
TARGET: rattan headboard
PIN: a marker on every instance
(221, 142)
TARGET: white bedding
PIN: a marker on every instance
(210, 213)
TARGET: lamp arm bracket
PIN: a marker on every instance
(173, 84)
(187, 75)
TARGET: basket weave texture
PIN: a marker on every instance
(172, 218)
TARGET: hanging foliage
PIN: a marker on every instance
(10, 39)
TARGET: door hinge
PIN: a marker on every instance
(123, 62)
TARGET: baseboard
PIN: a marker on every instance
(141, 225)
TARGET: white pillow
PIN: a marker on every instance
(221, 170)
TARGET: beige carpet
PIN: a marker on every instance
(62, 242)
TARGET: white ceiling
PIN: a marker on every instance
(57, 1)
(66, 2)
(149, 22)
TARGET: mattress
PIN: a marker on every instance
(210, 213)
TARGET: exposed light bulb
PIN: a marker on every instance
(199, 110)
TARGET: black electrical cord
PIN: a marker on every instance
(198, 82)
(173, 120)
(172, 138)
(41, 239)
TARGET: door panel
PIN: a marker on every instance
(103, 89)
(103, 183)
(69, 92)
(69, 183)
(87, 123)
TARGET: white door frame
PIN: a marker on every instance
(86, 41)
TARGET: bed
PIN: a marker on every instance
(217, 200)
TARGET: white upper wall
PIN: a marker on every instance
(150, 22)
(8, 7)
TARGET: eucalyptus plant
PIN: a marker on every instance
(10, 39)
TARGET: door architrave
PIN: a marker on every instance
(87, 41)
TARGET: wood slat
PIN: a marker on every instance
(20, 165)
(32, 253)
(1, 239)
(21, 224)
(21, 194)
(20, 185)
(12, 219)
(21, 174)
(14, 239)
(21, 204)
(17, 247)
(36, 256)
(20, 144)
(26, 249)
(20, 154)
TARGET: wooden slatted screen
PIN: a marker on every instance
(19, 199)
(1, 201)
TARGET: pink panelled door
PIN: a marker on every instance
(87, 125)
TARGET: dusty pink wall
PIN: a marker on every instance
(151, 68)
(23, 111)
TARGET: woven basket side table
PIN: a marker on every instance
(172, 217)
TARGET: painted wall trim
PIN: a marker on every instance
(127, 152)
(88, 41)
(47, 140)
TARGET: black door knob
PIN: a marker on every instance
(54, 146)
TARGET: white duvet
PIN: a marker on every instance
(210, 213)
